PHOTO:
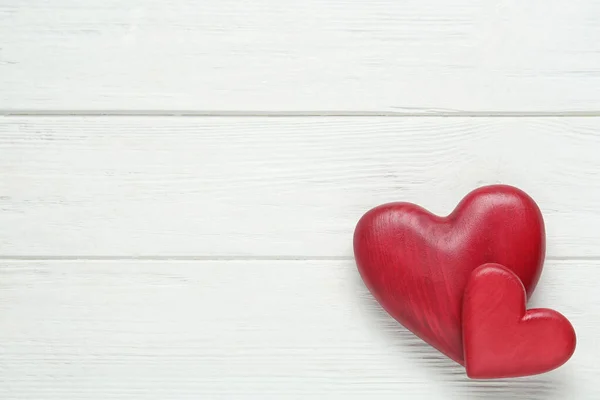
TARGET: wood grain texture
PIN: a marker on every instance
(280, 187)
(382, 55)
(248, 329)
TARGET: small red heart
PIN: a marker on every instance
(502, 339)
(417, 264)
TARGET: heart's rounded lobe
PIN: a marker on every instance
(417, 264)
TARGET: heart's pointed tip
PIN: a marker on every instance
(483, 374)
(491, 377)
(478, 373)
(470, 374)
(478, 376)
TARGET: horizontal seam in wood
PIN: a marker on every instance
(291, 114)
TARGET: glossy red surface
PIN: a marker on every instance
(502, 339)
(416, 264)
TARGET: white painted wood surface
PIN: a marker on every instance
(249, 190)
(146, 256)
(291, 187)
(247, 329)
(341, 55)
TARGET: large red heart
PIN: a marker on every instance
(416, 264)
(503, 340)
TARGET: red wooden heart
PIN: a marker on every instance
(501, 339)
(416, 264)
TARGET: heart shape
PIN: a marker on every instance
(417, 264)
(502, 339)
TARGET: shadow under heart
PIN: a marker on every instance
(442, 369)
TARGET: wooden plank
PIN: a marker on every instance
(248, 329)
(284, 187)
(223, 55)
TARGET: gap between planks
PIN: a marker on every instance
(291, 114)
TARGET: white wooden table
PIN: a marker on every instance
(180, 180)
